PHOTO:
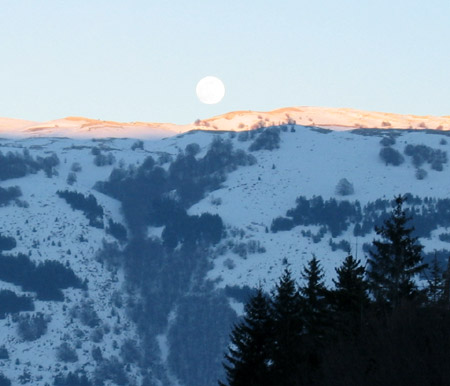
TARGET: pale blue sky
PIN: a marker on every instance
(140, 60)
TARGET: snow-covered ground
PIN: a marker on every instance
(308, 163)
(311, 163)
(50, 230)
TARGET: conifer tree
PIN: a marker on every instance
(350, 294)
(436, 282)
(446, 292)
(248, 359)
(396, 260)
(316, 317)
(287, 350)
(313, 295)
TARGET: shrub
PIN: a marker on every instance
(87, 314)
(421, 174)
(216, 201)
(229, 263)
(240, 249)
(97, 354)
(418, 160)
(437, 165)
(65, 353)
(111, 369)
(387, 141)
(109, 254)
(71, 178)
(343, 245)
(445, 237)
(9, 194)
(137, 145)
(164, 158)
(103, 160)
(76, 167)
(72, 379)
(48, 164)
(269, 139)
(4, 381)
(192, 149)
(95, 150)
(96, 335)
(4, 353)
(243, 136)
(391, 156)
(129, 352)
(243, 249)
(422, 153)
(117, 230)
(32, 327)
(344, 187)
(281, 224)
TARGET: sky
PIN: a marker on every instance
(140, 60)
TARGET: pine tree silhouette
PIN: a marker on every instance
(313, 295)
(248, 359)
(396, 260)
(349, 297)
(288, 328)
(436, 282)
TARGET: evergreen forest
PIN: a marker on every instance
(379, 324)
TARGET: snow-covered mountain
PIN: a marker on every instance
(156, 307)
(333, 118)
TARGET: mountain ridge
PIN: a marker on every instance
(338, 119)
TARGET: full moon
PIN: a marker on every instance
(210, 90)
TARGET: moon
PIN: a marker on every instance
(210, 90)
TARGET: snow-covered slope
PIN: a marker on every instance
(332, 118)
(48, 229)
(308, 162)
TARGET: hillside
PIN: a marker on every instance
(154, 305)
(330, 118)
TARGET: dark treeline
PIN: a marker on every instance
(151, 195)
(47, 279)
(337, 216)
(11, 303)
(7, 243)
(88, 204)
(375, 327)
(72, 379)
(16, 165)
(167, 273)
(117, 230)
